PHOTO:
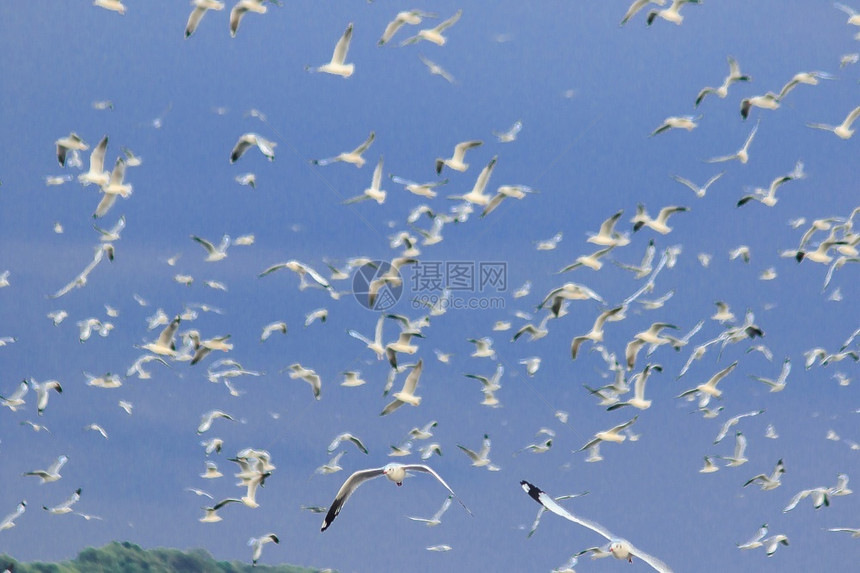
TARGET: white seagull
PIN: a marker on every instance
(687, 122)
(407, 393)
(96, 173)
(375, 191)
(354, 157)
(337, 66)
(455, 162)
(72, 142)
(411, 17)
(393, 471)
(257, 544)
(240, 9)
(844, 129)
(200, 9)
(742, 154)
(9, 521)
(214, 253)
(735, 75)
(437, 517)
(50, 474)
(611, 435)
(434, 34)
(769, 482)
(246, 140)
(620, 548)
(66, 506)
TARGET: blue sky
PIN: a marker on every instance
(588, 93)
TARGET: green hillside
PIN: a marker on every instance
(129, 558)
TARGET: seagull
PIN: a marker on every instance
(376, 344)
(199, 492)
(768, 197)
(96, 428)
(137, 367)
(483, 348)
(844, 129)
(592, 261)
(240, 9)
(481, 458)
(246, 140)
(434, 34)
(722, 91)
(650, 336)
(214, 253)
(634, 9)
(111, 235)
(709, 467)
(854, 532)
(620, 548)
(66, 506)
(50, 474)
(596, 332)
(337, 66)
(309, 376)
(96, 173)
(737, 459)
(769, 482)
(113, 5)
(200, 9)
(437, 70)
(610, 435)
(437, 517)
(543, 510)
(411, 17)
(778, 384)
(375, 190)
(645, 266)
(346, 437)
(687, 122)
(733, 422)
(165, 345)
(271, 328)
(115, 185)
(257, 544)
(71, 142)
(818, 494)
(209, 417)
(9, 521)
(353, 156)
(16, 399)
(659, 224)
(304, 271)
(511, 134)
(455, 162)
(607, 235)
(767, 101)
(742, 154)
(320, 314)
(211, 516)
(638, 401)
(756, 540)
(393, 471)
(407, 393)
(476, 196)
(420, 189)
(710, 387)
(808, 78)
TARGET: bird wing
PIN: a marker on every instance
(363, 147)
(549, 503)
(349, 486)
(342, 46)
(241, 147)
(411, 382)
(449, 22)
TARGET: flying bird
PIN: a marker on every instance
(337, 65)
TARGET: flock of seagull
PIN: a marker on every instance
(831, 241)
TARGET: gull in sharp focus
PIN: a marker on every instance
(336, 65)
(742, 154)
(455, 162)
(411, 17)
(620, 548)
(50, 474)
(354, 157)
(434, 34)
(200, 9)
(843, 130)
(247, 140)
(393, 471)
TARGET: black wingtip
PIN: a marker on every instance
(533, 491)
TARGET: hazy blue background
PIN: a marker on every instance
(588, 94)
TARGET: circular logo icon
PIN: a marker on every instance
(377, 285)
